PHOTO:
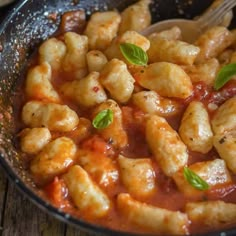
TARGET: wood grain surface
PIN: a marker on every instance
(20, 217)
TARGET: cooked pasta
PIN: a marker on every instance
(132, 129)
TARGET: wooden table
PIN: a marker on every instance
(20, 217)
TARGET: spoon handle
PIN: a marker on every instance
(214, 16)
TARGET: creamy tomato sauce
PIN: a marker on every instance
(86, 137)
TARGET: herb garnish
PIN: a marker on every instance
(134, 54)
(195, 180)
(103, 119)
(224, 75)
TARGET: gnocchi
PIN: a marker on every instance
(113, 51)
(174, 51)
(212, 213)
(102, 28)
(86, 92)
(53, 160)
(52, 51)
(75, 57)
(159, 220)
(135, 17)
(33, 140)
(104, 171)
(86, 195)
(205, 72)
(128, 131)
(213, 42)
(150, 102)
(116, 78)
(55, 117)
(137, 175)
(38, 84)
(225, 145)
(225, 117)
(96, 60)
(166, 145)
(167, 79)
(215, 173)
(115, 133)
(195, 128)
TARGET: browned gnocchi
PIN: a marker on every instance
(38, 85)
(133, 132)
(167, 79)
(86, 194)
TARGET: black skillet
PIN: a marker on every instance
(23, 30)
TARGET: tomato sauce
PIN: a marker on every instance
(167, 195)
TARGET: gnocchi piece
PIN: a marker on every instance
(150, 102)
(233, 58)
(113, 51)
(157, 220)
(87, 196)
(33, 140)
(86, 92)
(135, 17)
(102, 28)
(83, 130)
(216, 214)
(55, 117)
(38, 85)
(53, 160)
(115, 132)
(174, 51)
(205, 72)
(75, 59)
(195, 128)
(215, 173)
(225, 117)
(225, 56)
(225, 145)
(168, 149)
(138, 176)
(173, 33)
(99, 166)
(167, 79)
(53, 52)
(96, 60)
(213, 42)
(116, 78)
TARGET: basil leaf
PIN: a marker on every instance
(224, 75)
(195, 180)
(103, 119)
(134, 54)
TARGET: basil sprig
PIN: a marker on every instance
(103, 119)
(224, 75)
(195, 180)
(134, 54)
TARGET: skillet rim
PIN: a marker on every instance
(46, 206)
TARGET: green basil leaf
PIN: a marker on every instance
(224, 75)
(195, 180)
(134, 54)
(103, 119)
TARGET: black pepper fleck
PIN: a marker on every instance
(222, 140)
